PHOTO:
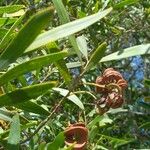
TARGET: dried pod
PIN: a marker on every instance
(76, 134)
(114, 100)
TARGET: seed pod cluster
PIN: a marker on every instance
(112, 94)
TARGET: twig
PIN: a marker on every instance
(46, 120)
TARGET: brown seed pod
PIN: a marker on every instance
(76, 134)
(114, 100)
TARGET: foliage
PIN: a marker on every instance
(52, 51)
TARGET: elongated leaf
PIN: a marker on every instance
(25, 37)
(25, 94)
(5, 115)
(124, 3)
(64, 18)
(67, 29)
(82, 44)
(57, 143)
(14, 135)
(32, 107)
(6, 21)
(6, 37)
(128, 52)
(60, 64)
(10, 9)
(96, 56)
(30, 65)
(72, 97)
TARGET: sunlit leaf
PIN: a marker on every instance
(25, 37)
(67, 29)
(128, 52)
(71, 97)
(14, 135)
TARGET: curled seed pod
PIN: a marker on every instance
(122, 83)
(114, 100)
(76, 134)
(100, 81)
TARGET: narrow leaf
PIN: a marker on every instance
(82, 44)
(67, 29)
(7, 21)
(25, 37)
(6, 37)
(96, 56)
(125, 3)
(64, 18)
(72, 97)
(60, 64)
(128, 52)
(14, 135)
(10, 9)
(25, 94)
(5, 115)
(30, 65)
(32, 107)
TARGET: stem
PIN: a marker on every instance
(85, 92)
(94, 84)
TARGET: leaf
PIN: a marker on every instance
(72, 97)
(124, 3)
(128, 52)
(64, 18)
(5, 39)
(147, 82)
(101, 120)
(96, 56)
(82, 44)
(30, 65)
(14, 135)
(73, 64)
(23, 40)
(7, 21)
(25, 94)
(57, 143)
(5, 115)
(32, 107)
(67, 29)
(60, 64)
(10, 9)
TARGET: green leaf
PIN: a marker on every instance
(128, 52)
(10, 9)
(30, 65)
(72, 97)
(25, 94)
(14, 135)
(5, 39)
(60, 64)
(96, 56)
(25, 37)
(7, 21)
(82, 44)
(64, 18)
(67, 29)
(57, 143)
(147, 82)
(5, 115)
(125, 3)
(32, 107)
